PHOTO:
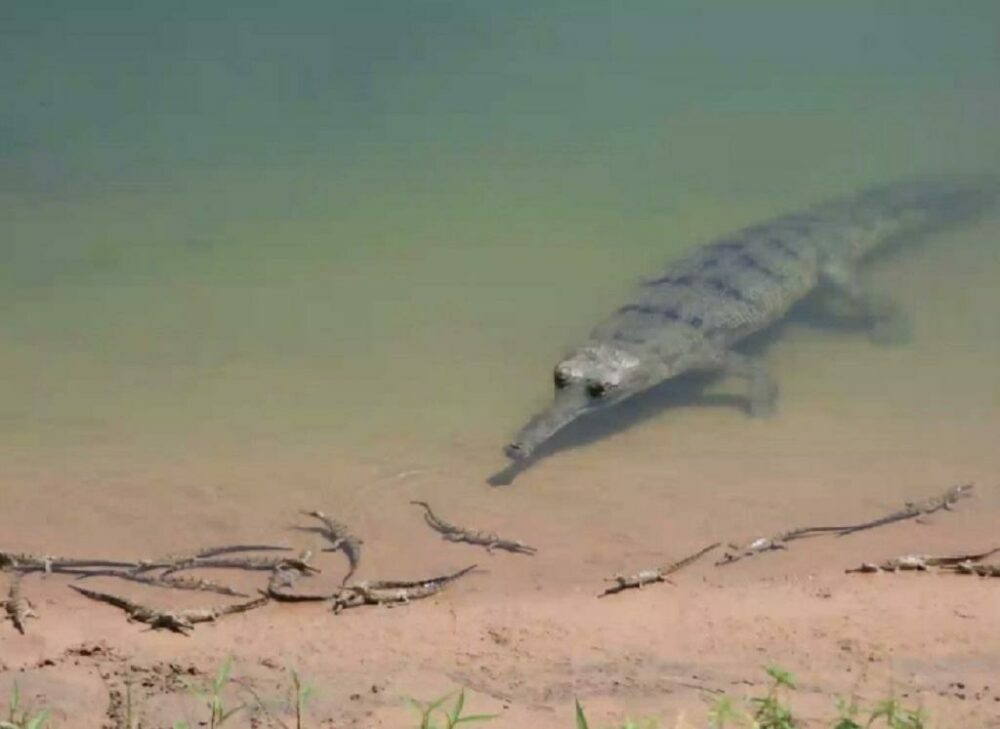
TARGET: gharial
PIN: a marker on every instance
(689, 318)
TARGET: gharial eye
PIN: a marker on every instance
(560, 379)
(597, 389)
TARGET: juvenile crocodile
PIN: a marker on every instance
(178, 561)
(26, 562)
(914, 510)
(341, 540)
(774, 543)
(393, 592)
(178, 621)
(281, 586)
(169, 581)
(650, 576)
(454, 533)
(17, 606)
(689, 318)
(924, 562)
(250, 563)
(910, 510)
(970, 568)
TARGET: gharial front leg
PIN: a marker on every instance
(763, 390)
(886, 322)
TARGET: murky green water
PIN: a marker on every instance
(361, 221)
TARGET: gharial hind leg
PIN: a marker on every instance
(763, 390)
(886, 322)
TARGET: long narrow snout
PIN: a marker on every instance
(568, 405)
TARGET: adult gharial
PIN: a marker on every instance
(691, 317)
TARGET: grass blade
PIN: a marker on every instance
(457, 709)
(581, 720)
(38, 721)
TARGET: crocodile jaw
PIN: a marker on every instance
(566, 408)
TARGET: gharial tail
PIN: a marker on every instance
(941, 201)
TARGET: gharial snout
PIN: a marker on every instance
(567, 407)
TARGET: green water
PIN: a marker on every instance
(353, 222)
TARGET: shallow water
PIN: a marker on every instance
(262, 257)
(372, 228)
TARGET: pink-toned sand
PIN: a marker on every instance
(526, 635)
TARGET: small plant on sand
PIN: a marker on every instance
(128, 719)
(771, 713)
(723, 714)
(847, 713)
(218, 713)
(581, 721)
(428, 711)
(896, 717)
(299, 696)
(22, 718)
(296, 696)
